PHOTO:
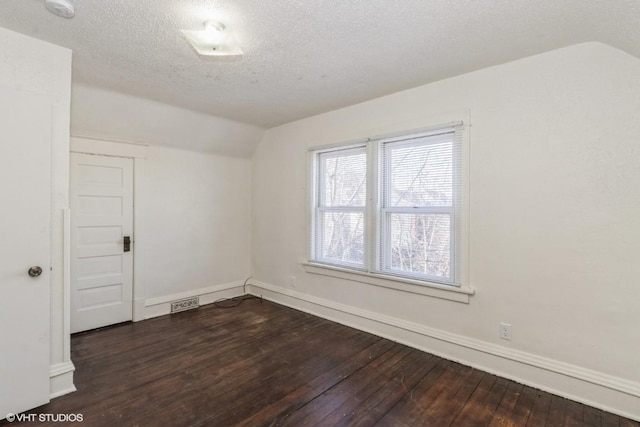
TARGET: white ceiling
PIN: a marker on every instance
(304, 57)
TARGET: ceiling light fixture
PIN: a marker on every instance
(61, 8)
(214, 40)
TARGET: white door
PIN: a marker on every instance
(101, 223)
(25, 207)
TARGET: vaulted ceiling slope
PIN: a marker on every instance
(307, 57)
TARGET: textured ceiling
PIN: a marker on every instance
(307, 57)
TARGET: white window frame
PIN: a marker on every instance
(320, 208)
(383, 262)
(374, 271)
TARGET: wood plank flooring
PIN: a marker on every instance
(262, 364)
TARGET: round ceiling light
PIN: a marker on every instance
(62, 8)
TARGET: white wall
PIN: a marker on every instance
(35, 66)
(555, 230)
(111, 115)
(197, 227)
(193, 203)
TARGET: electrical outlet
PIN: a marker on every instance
(505, 331)
(292, 281)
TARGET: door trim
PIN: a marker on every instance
(66, 272)
(138, 152)
(107, 147)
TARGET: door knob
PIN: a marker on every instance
(35, 271)
(127, 243)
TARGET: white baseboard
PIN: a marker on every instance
(139, 309)
(61, 379)
(597, 389)
(155, 307)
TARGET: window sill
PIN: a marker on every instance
(451, 293)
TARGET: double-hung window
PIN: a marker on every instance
(340, 215)
(391, 206)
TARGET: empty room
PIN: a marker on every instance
(305, 213)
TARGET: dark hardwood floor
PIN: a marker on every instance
(262, 364)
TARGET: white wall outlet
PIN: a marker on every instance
(505, 331)
(292, 281)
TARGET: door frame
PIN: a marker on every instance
(138, 152)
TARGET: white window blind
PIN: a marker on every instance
(419, 187)
(409, 225)
(340, 207)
